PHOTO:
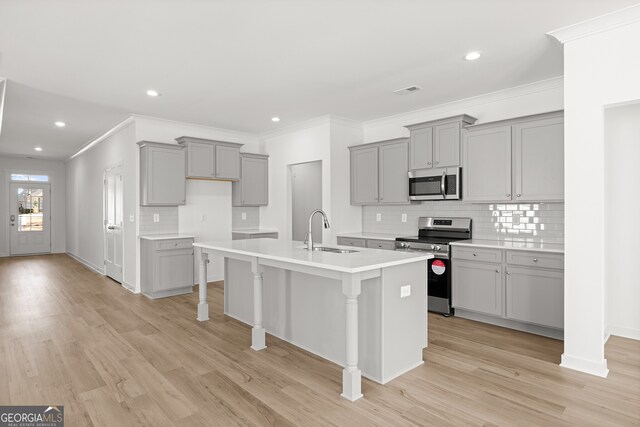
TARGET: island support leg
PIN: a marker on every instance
(257, 333)
(203, 307)
(351, 375)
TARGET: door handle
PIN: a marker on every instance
(111, 227)
(444, 176)
(13, 218)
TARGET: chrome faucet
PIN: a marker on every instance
(309, 240)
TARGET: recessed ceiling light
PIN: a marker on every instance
(275, 119)
(472, 56)
(60, 124)
(153, 93)
(37, 148)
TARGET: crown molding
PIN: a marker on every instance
(454, 107)
(597, 25)
(97, 140)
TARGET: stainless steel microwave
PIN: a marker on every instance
(434, 184)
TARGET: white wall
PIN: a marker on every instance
(56, 172)
(600, 70)
(324, 139)
(534, 98)
(85, 175)
(207, 215)
(622, 207)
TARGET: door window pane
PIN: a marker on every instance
(30, 209)
(26, 177)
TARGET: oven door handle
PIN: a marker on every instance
(442, 189)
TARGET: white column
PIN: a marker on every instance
(257, 333)
(351, 375)
(203, 307)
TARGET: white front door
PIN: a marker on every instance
(113, 223)
(30, 218)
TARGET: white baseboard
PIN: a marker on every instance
(597, 368)
(624, 332)
(212, 278)
(87, 264)
(129, 287)
(4, 254)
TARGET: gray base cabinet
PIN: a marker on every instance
(519, 289)
(243, 236)
(167, 267)
(253, 187)
(379, 173)
(520, 160)
(162, 174)
(436, 144)
(209, 159)
(367, 243)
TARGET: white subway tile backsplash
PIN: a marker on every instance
(168, 220)
(532, 221)
(252, 220)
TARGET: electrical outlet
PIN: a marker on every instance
(156, 217)
(404, 217)
(203, 218)
(405, 291)
(244, 216)
(516, 219)
(378, 217)
(132, 218)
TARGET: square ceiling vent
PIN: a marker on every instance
(407, 90)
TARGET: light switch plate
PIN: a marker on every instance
(203, 217)
(404, 217)
(378, 217)
(156, 217)
(244, 216)
(405, 291)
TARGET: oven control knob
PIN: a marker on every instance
(438, 247)
(433, 247)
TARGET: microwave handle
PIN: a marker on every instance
(442, 188)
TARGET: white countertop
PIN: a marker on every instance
(517, 245)
(255, 231)
(296, 253)
(361, 235)
(166, 236)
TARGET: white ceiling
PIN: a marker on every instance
(236, 63)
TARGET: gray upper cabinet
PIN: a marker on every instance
(253, 187)
(209, 159)
(514, 160)
(421, 148)
(436, 144)
(393, 173)
(486, 174)
(379, 173)
(162, 174)
(539, 160)
(364, 176)
(446, 145)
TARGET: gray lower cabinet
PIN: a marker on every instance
(253, 187)
(478, 287)
(379, 173)
(522, 288)
(436, 144)
(514, 160)
(381, 244)
(535, 295)
(350, 241)
(367, 243)
(162, 174)
(244, 236)
(210, 159)
(167, 267)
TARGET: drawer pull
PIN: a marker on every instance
(497, 271)
(475, 254)
(535, 260)
(508, 273)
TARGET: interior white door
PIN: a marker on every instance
(113, 212)
(306, 196)
(30, 218)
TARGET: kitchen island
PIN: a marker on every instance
(312, 299)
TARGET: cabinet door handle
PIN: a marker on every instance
(475, 254)
(535, 260)
(517, 195)
(429, 163)
(508, 273)
(497, 271)
(508, 194)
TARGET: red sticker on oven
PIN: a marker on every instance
(438, 267)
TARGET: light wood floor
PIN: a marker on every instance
(72, 337)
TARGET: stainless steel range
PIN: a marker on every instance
(434, 236)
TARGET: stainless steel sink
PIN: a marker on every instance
(333, 250)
